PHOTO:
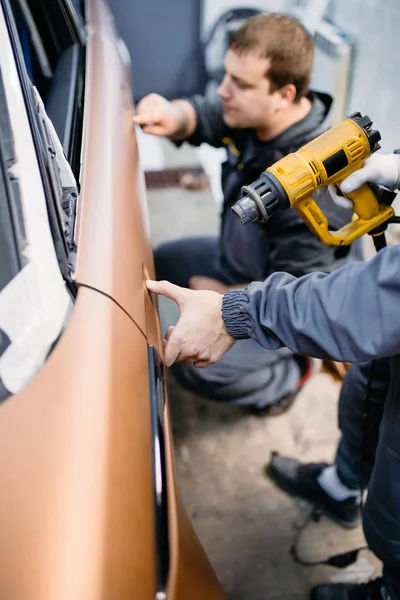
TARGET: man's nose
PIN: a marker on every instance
(223, 89)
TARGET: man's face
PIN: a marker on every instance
(245, 92)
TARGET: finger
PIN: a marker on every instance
(202, 364)
(164, 343)
(169, 290)
(154, 130)
(179, 348)
(343, 202)
(172, 350)
(339, 199)
(169, 332)
(203, 361)
(147, 119)
(353, 182)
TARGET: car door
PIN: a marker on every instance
(88, 504)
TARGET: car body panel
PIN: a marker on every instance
(76, 500)
(114, 237)
(77, 444)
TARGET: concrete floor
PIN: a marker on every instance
(246, 525)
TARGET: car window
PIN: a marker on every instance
(35, 302)
(53, 25)
(12, 230)
(78, 5)
(51, 34)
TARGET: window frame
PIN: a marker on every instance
(12, 229)
(59, 241)
(57, 36)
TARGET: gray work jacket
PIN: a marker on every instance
(349, 315)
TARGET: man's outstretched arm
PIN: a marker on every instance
(350, 315)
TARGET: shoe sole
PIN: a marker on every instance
(283, 485)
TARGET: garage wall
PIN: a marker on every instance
(162, 37)
(375, 87)
(214, 8)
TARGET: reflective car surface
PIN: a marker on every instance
(89, 507)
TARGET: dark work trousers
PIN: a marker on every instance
(247, 374)
(357, 447)
(369, 456)
(381, 517)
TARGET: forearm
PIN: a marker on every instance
(349, 315)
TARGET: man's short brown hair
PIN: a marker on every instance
(286, 43)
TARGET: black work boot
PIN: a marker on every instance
(301, 480)
(373, 590)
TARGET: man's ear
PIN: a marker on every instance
(287, 95)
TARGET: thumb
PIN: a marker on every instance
(169, 290)
(154, 130)
(354, 181)
(141, 118)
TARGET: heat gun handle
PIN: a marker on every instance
(365, 202)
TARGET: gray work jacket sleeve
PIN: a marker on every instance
(350, 315)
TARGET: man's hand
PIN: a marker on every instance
(158, 116)
(200, 335)
(383, 169)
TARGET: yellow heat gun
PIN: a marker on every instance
(327, 160)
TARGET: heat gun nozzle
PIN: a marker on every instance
(245, 210)
(260, 199)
